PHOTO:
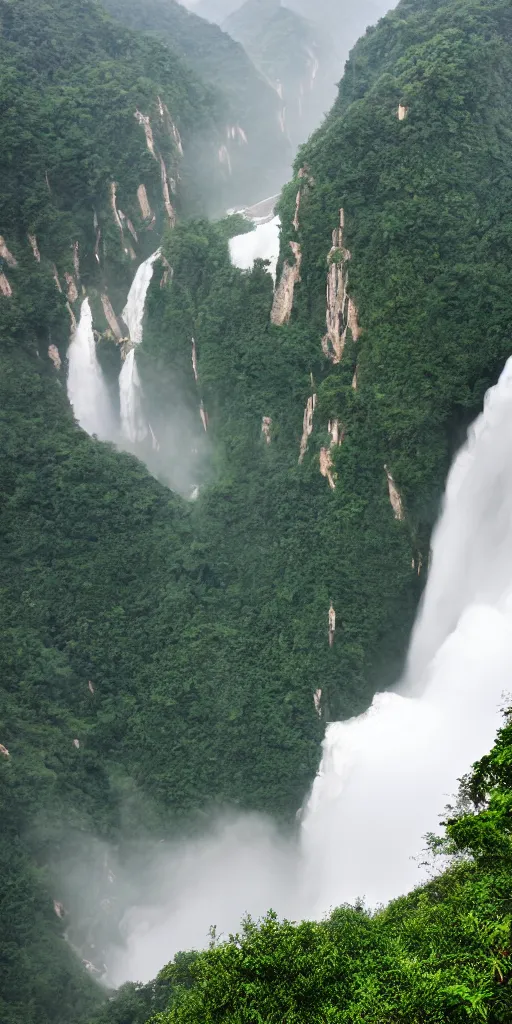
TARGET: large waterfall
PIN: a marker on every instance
(385, 776)
(134, 426)
(87, 390)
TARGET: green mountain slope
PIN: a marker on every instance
(416, 154)
(202, 628)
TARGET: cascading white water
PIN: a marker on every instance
(386, 775)
(86, 387)
(262, 243)
(134, 426)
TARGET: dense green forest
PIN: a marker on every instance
(159, 656)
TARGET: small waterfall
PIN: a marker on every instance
(386, 775)
(133, 423)
(87, 390)
(262, 244)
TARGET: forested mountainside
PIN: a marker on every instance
(106, 137)
(163, 656)
(259, 154)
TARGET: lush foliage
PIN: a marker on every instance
(180, 643)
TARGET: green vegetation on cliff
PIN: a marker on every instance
(180, 644)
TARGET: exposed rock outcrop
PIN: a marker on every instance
(402, 112)
(326, 463)
(110, 317)
(126, 220)
(194, 359)
(326, 466)
(266, 427)
(72, 290)
(306, 180)
(283, 296)
(5, 288)
(307, 426)
(53, 354)
(35, 249)
(169, 209)
(332, 624)
(6, 255)
(145, 208)
(317, 697)
(143, 119)
(113, 203)
(395, 496)
(170, 125)
(337, 435)
(76, 261)
(295, 221)
(341, 313)
(72, 318)
(4, 751)
(56, 278)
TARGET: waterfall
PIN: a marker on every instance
(262, 244)
(87, 390)
(133, 424)
(386, 775)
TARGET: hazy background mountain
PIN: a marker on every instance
(255, 152)
(299, 46)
